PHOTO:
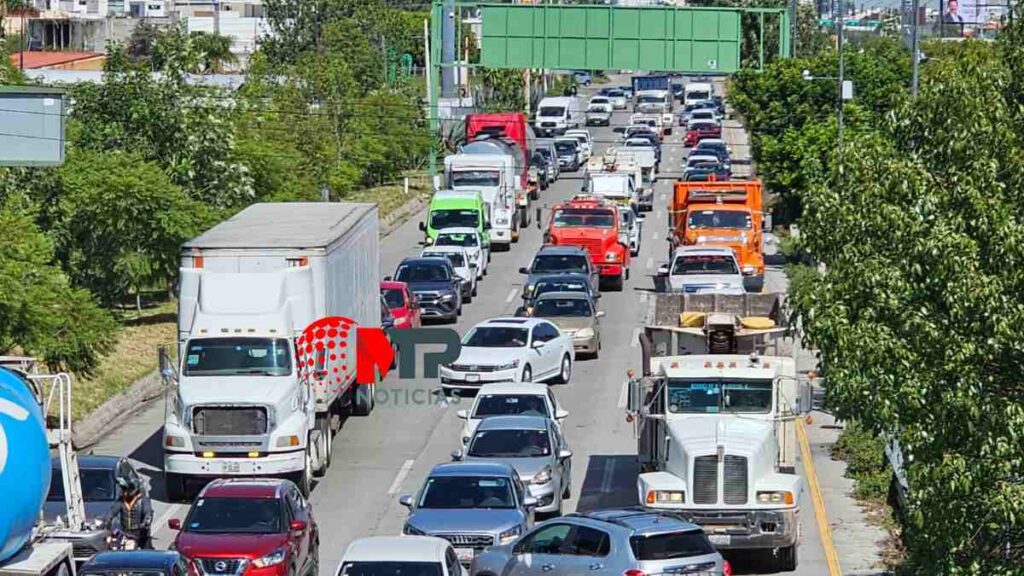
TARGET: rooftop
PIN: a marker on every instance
(34, 60)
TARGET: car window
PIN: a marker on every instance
(546, 332)
(553, 402)
(670, 546)
(452, 559)
(549, 539)
(588, 541)
(510, 405)
(462, 492)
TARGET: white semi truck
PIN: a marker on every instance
(715, 419)
(239, 404)
(494, 175)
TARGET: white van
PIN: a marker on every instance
(556, 115)
(695, 92)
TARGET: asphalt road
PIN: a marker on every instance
(378, 458)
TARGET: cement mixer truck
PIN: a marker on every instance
(28, 546)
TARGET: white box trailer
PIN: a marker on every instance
(249, 288)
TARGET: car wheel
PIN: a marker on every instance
(474, 288)
(565, 373)
(527, 374)
(787, 559)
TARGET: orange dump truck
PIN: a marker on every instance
(728, 213)
(593, 224)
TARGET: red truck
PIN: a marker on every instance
(594, 225)
(511, 125)
(700, 130)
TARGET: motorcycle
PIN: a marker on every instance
(119, 541)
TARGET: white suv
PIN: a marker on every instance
(703, 270)
(400, 555)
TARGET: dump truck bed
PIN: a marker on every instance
(669, 307)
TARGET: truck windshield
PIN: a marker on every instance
(581, 218)
(720, 219)
(510, 444)
(468, 240)
(698, 95)
(440, 219)
(559, 263)
(238, 357)
(391, 568)
(235, 515)
(447, 492)
(562, 307)
(692, 397)
(704, 265)
(650, 100)
(549, 111)
(485, 178)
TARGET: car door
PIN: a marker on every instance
(560, 344)
(413, 307)
(301, 540)
(587, 552)
(564, 465)
(550, 351)
(542, 552)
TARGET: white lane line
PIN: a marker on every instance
(608, 476)
(634, 341)
(171, 512)
(511, 295)
(624, 396)
(650, 262)
(654, 235)
(402, 473)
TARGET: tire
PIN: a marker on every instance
(567, 492)
(565, 373)
(527, 374)
(63, 569)
(362, 404)
(304, 479)
(597, 351)
(786, 559)
(475, 286)
(323, 425)
(174, 486)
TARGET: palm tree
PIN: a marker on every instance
(215, 51)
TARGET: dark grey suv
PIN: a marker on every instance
(620, 541)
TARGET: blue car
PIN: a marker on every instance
(438, 288)
(582, 77)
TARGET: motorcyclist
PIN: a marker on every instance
(132, 515)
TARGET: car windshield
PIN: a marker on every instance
(551, 111)
(497, 337)
(510, 444)
(564, 147)
(584, 218)
(704, 126)
(686, 396)
(703, 114)
(121, 572)
(422, 273)
(457, 260)
(669, 546)
(483, 178)
(390, 568)
(616, 94)
(638, 143)
(393, 297)
(98, 485)
(559, 263)
(728, 219)
(598, 108)
(238, 357)
(697, 95)
(562, 307)
(456, 240)
(545, 152)
(510, 405)
(712, 148)
(440, 219)
(707, 264)
(235, 515)
(448, 492)
(702, 160)
(598, 100)
(570, 286)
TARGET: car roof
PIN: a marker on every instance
(92, 462)
(443, 249)
(423, 260)
(133, 559)
(564, 296)
(513, 322)
(516, 388)
(244, 488)
(393, 285)
(640, 521)
(483, 468)
(442, 194)
(517, 422)
(562, 278)
(397, 549)
(568, 250)
(703, 250)
(711, 143)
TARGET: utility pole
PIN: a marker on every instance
(914, 48)
(840, 9)
(792, 27)
(216, 17)
(448, 49)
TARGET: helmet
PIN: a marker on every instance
(128, 485)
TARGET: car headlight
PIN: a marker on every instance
(410, 530)
(610, 257)
(584, 333)
(447, 297)
(748, 269)
(272, 559)
(781, 497)
(542, 477)
(508, 365)
(509, 536)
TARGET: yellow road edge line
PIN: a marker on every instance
(824, 529)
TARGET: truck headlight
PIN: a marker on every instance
(542, 477)
(287, 441)
(748, 270)
(410, 530)
(508, 365)
(610, 257)
(781, 497)
(509, 536)
(501, 221)
(272, 559)
(666, 497)
(584, 333)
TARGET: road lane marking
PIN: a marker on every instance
(654, 235)
(402, 473)
(608, 476)
(511, 296)
(635, 340)
(650, 262)
(820, 516)
(161, 523)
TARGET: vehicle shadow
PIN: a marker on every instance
(610, 482)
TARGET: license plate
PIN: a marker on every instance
(720, 539)
(472, 377)
(464, 554)
(230, 467)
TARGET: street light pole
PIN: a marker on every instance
(839, 33)
(914, 49)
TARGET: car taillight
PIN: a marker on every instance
(634, 573)
(726, 568)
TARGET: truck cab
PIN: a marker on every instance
(656, 102)
(594, 225)
(457, 209)
(494, 177)
(727, 214)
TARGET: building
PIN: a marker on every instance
(77, 61)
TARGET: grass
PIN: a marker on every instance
(135, 354)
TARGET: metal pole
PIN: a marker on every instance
(840, 9)
(792, 28)
(216, 17)
(21, 56)
(431, 98)
(914, 48)
(448, 49)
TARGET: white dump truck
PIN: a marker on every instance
(640, 152)
(715, 419)
(494, 175)
(238, 402)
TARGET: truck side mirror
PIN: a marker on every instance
(423, 226)
(663, 270)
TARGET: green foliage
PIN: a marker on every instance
(864, 455)
(40, 313)
(503, 89)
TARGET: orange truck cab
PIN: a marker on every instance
(593, 224)
(728, 213)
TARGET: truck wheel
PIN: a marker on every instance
(304, 479)
(363, 404)
(786, 558)
(323, 425)
(524, 218)
(174, 486)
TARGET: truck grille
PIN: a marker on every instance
(468, 540)
(230, 421)
(705, 480)
(735, 480)
(591, 246)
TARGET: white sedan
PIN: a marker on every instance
(520, 399)
(401, 555)
(510, 350)
(470, 239)
(461, 262)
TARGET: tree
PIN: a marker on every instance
(142, 42)
(215, 51)
(40, 313)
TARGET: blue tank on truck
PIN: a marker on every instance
(24, 463)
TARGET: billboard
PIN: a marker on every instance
(973, 12)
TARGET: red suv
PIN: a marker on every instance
(249, 527)
(402, 304)
(698, 131)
